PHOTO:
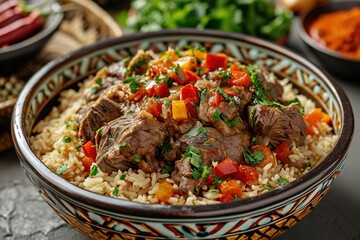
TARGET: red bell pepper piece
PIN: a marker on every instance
(190, 93)
(283, 151)
(192, 77)
(155, 109)
(89, 149)
(216, 100)
(247, 175)
(161, 90)
(230, 190)
(87, 162)
(190, 109)
(226, 168)
(215, 61)
(239, 78)
(150, 89)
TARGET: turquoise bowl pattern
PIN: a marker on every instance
(261, 217)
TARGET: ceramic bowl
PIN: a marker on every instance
(261, 217)
(333, 61)
(14, 56)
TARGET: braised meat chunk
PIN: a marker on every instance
(97, 115)
(130, 141)
(279, 125)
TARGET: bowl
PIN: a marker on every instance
(261, 217)
(14, 56)
(335, 62)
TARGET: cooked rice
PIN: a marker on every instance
(139, 186)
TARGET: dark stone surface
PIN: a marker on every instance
(24, 215)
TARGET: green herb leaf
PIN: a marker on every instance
(137, 158)
(195, 174)
(252, 116)
(61, 170)
(167, 101)
(203, 132)
(268, 187)
(116, 191)
(122, 177)
(195, 160)
(67, 139)
(202, 94)
(71, 124)
(216, 115)
(123, 144)
(94, 89)
(93, 170)
(167, 169)
(225, 75)
(222, 93)
(234, 122)
(236, 197)
(253, 158)
(98, 131)
(78, 147)
(99, 82)
(134, 86)
(129, 111)
(282, 181)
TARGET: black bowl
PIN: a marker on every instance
(333, 61)
(15, 55)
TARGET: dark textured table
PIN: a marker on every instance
(24, 215)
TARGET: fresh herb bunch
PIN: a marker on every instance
(260, 18)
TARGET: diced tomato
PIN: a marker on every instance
(268, 156)
(314, 117)
(150, 89)
(209, 180)
(234, 68)
(231, 92)
(239, 78)
(155, 109)
(179, 76)
(192, 77)
(226, 168)
(191, 109)
(215, 61)
(229, 190)
(216, 99)
(164, 192)
(138, 95)
(283, 151)
(89, 149)
(190, 93)
(247, 175)
(161, 90)
(87, 162)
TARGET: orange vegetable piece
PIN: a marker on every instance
(283, 151)
(314, 117)
(179, 110)
(268, 156)
(165, 192)
(230, 190)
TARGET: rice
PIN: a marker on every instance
(135, 185)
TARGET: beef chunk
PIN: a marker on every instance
(216, 147)
(272, 87)
(130, 142)
(182, 174)
(97, 115)
(277, 124)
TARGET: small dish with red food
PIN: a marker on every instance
(24, 30)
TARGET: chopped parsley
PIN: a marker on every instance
(99, 84)
(134, 84)
(217, 180)
(297, 102)
(140, 62)
(116, 191)
(78, 147)
(307, 168)
(236, 197)
(129, 111)
(123, 144)
(216, 115)
(252, 115)
(222, 93)
(93, 170)
(198, 70)
(202, 94)
(253, 158)
(98, 131)
(282, 181)
(122, 177)
(225, 75)
(198, 168)
(268, 187)
(231, 123)
(167, 169)
(165, 148)
(67, 139)
(253, 139)
(196, 174)
(137, 158)
(70, 125)
(208, 142)
(177, 52)
(167, 101)
(260, 94)
(61, 170)
(161, 78)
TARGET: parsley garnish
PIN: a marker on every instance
(134, 86)
(178, 53)
(116, 191)
(98, 85)
(252, 115)
(202, 94)
(225, 75)
(217, 180)
(93, 170)
(165, 148)
(137, 158)
(167, 169)
(61, 170)
(67, 139)
(297, 102)
(78, 147)
(129, 111)
(282, 181)
(195, 174)
(161, 78)
(253, 158)
(123, 176)
(98, 131)
(198, 70)
(167, 101)
(236, 197)
(216, 115)
(140, 61)
(123, 144)
(255, 80)
(71, 124)
(222, 93)
(268, 187)
(99, 82)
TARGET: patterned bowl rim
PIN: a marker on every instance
(314, 13)
(244, 206)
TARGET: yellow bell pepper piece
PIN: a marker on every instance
(179, 110)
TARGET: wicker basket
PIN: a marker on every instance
(84, 23)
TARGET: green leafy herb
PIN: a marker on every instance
(167, 169)
(61, 170)
(195, 160)
(116, 191)
(216, 115)
(307, 168)
(208, 142)
(178, 53)
(252, 116)
(93, 170)
(167, 101)
(165, 148)
(205, 171)
(78, 147)
(297, 102)
(129, 111)
(202, 94)
(268, 187)
(98, 85)
(67, 139)
(122, 177)
(198, 70)
(282, 181)
(99, 82)
(233, 122)
(253, 158)
(71, 125)
(94, 89)
(161, 78)
(196, 174)
(123, 144)
(134, 86)
(137, 158)
(129, 79)
(217, 180)
(141, 60)
(225, 75)
(222, 93)
(98, 131)
(236, 197)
